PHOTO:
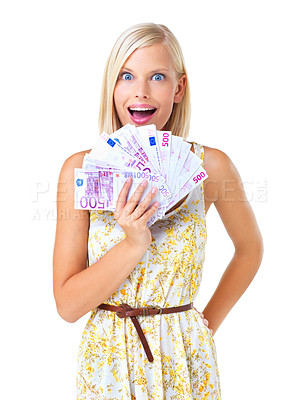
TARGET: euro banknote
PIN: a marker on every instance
(164, 160)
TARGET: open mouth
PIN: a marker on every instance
(141, 112)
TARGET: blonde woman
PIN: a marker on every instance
(144, 339)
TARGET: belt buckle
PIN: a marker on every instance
(160, 312)
(125, 307)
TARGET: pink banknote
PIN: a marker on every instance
(164, 160)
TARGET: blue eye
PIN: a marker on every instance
(126, 76)
(158, 77)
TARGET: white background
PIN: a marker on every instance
(243, 64)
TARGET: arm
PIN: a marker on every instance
(77, 289)
(225, 190)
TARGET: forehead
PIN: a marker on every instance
(149, 58)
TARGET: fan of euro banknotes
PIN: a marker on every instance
(164, 160)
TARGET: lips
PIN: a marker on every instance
(141, 113)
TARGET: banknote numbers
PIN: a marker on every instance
(165, 141)
(91, 202)
(199, 177)
(143, 175)
(164, 191)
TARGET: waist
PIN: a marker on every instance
(124, 310)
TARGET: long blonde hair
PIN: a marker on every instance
(138, 36)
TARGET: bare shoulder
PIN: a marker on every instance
(74, 161)
(65, 188)
(66, 175)
(221, 173)
(216, 161)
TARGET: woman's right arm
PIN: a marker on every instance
(77, 289)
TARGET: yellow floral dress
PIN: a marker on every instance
(112, 364)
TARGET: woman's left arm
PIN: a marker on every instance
(225, 187)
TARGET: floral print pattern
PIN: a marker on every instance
(112, 363)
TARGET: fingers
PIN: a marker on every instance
(131, 207)
(201, 315)
(149, 212)
(122, 198)
(140, 210)
(205, 321)
(131, 203)
(134, 199)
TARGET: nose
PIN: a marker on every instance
(142, 90)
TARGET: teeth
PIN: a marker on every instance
(140, 109)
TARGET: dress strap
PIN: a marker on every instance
(199, 151)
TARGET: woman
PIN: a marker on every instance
(165, 351)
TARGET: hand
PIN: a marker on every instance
(204, 320)
(133, 217)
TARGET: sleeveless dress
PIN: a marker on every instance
(111, 361)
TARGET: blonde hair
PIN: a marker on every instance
(138, 36)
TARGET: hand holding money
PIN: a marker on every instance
(142, 153)
(133, 216)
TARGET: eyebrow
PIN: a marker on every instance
(151, 72)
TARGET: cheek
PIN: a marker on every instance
(167, 105)
(167, 96)
(118, 96)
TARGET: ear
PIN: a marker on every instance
(180, 89)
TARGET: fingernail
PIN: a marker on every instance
(128, 179)
(205, 321)
(154, 190)
(144, 182)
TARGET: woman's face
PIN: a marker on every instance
(147, 87)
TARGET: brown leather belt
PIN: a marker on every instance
(124, 310)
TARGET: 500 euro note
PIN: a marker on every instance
(99, 190)
(165, 160)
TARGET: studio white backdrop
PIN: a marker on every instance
(243, 64)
